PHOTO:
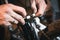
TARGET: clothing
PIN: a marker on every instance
(56, 9)
(23, 3)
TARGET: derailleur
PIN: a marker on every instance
(29, 30)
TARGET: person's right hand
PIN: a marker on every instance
(39, 7)
(8, 16)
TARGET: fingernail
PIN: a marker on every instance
(23, 22)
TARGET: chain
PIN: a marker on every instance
(46, 35)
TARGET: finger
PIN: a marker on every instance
(10, 19)
(33, 5)
(21, 10)
(7, 23)
(4, 23)
(17, 16)
(42, 6)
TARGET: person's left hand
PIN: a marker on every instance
(41, 6)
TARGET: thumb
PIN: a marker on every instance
(33, 6)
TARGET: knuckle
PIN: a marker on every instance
(9, 4)
(4, 8)
(24, 12)
(15, 21)
(23, 9)
(7, 23)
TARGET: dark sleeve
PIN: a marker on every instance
(23, 3)
(55, 4)
(0, 2)
(18, 2)
(2, 32)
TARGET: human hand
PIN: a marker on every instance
(41, 6)
(8, 14)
